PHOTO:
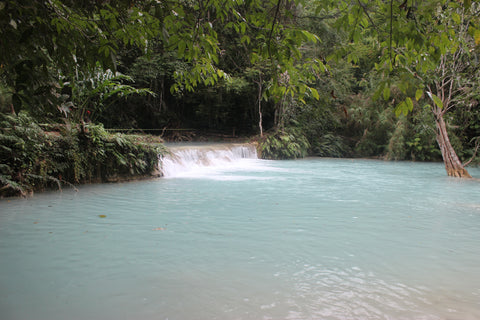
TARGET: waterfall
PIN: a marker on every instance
(195, 160)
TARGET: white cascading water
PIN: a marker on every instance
(202, 160)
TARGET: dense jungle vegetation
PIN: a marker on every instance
(397, 79)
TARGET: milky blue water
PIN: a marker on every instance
(307, 239)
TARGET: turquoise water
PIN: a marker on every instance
(307, 239)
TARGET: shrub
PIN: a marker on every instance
(34, 159)
(286, 143)
(330, 145)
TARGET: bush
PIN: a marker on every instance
(22, 143)
(330, 145)
(34, 159)
(287, 143)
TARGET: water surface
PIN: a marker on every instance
(307, 239)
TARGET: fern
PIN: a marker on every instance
(289, 143)
(33, 160)
(330, 145)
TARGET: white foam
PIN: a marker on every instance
(211, 161)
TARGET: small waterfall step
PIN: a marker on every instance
(184, 158)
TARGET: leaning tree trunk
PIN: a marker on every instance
(453, 165)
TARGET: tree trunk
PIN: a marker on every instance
(260, 93)
(453, 165)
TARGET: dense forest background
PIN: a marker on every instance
(394, 79)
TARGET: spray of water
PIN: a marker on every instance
(207, 160)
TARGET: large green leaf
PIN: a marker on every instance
(438, 102)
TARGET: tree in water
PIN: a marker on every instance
(428, 47)
(452, 81)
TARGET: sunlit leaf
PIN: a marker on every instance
(476, 35)
(181, 48)
(409, 104)
(456, 17)
(438, 102)
(386, 93)
(418, 94)
(402, 107)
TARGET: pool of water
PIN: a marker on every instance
(306, 239)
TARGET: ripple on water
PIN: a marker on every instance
(323, 293)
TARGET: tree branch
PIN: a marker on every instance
(277, 10)
(391, 29)
(364, 8)
(477, 145)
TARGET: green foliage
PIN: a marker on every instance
(330, 77)
(465, 124)
(422, 148)
(414, 37)
(419, 138)
(5, 99)
(330, 145)
(396, 149)
(22, 143)
(94, 92)
(368, 125)
(33, 159)
(413, 138)
(288, 143)
(44, 40)
(322, 127)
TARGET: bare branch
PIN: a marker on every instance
(477, 145)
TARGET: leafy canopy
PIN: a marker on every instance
(413, 37)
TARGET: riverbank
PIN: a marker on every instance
(37, 158)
